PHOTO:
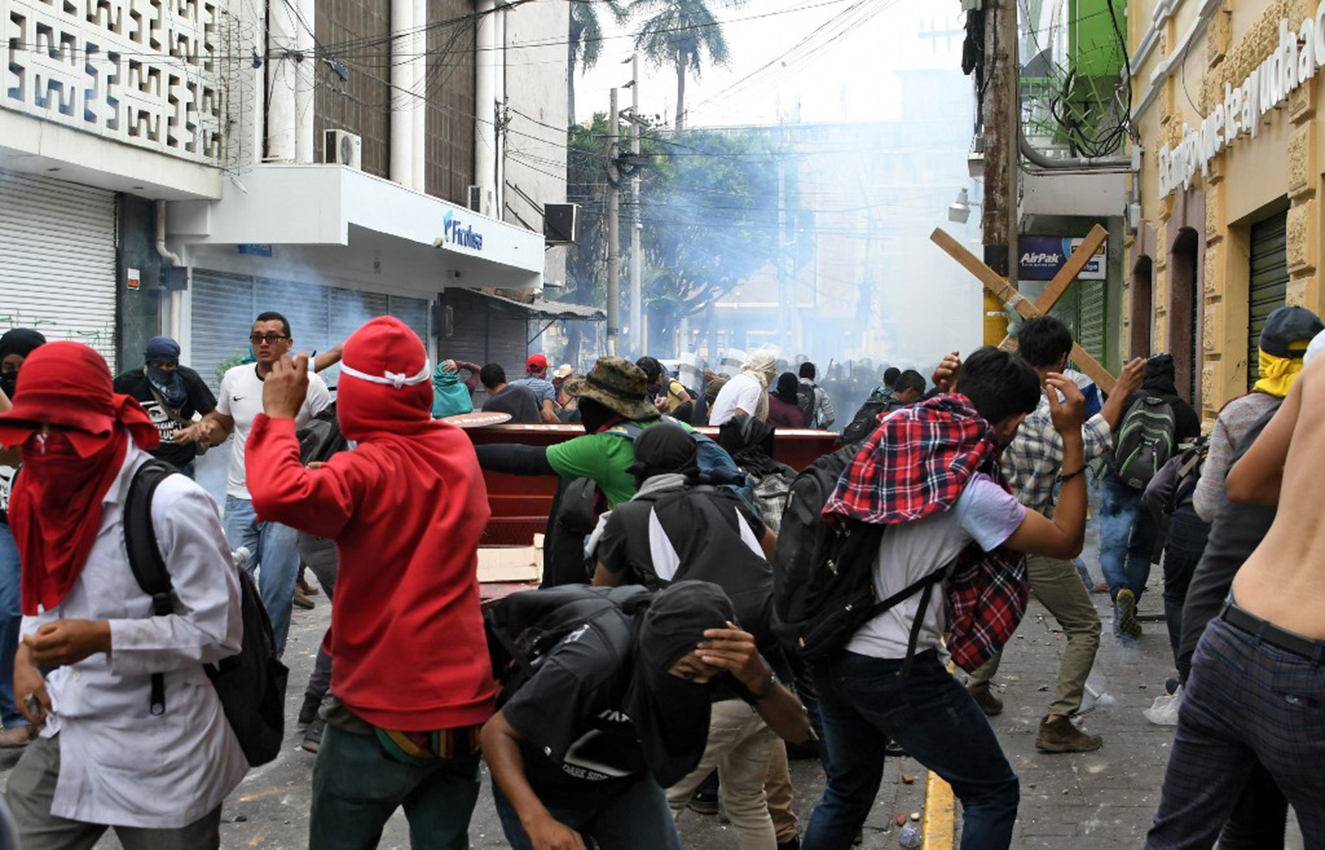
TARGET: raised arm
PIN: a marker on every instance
(1064, 535)
(1257, 477)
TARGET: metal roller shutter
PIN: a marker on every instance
(1269, 283)
(222, 320)
(413, 312)
(1092, 327)
(57, 249)
(304, 306)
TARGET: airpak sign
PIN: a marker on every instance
(1296, 60)
(454, 234)
(1043, 256)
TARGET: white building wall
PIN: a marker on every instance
(536, 136)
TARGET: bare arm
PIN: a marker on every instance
(328, 358)
(501, 750)
(1128, 382)
(769, 543)
(734, 650)
(548, 415)
(1064, 535)
(603, 577)
(1257, 477)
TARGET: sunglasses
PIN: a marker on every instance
(270, 339)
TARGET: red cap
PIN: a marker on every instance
(536, 363)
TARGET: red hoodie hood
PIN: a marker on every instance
(385, 386)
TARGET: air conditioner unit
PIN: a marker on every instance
(480, 200)
(561, 223)
(342, 148)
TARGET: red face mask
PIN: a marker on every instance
(55, 511)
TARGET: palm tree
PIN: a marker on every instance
(585, 44)
(680, 33)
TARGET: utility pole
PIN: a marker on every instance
(613, 229)
(1001, 118)
(636, 264)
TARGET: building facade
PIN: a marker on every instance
(178, 167)
(1226, 205)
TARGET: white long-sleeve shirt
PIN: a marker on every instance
(120, 765)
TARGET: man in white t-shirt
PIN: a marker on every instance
(747, 392)
(274, 546)
(890, 681)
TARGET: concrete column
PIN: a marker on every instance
(281, 82)
(304, 143)
(402, 85)
(485, 103)
(420, 110)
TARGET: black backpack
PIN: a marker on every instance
(573, 516)
(522, 628)
(251, 684)
(823, 573)
(1145, 441)
(321, 437)
(867, 419)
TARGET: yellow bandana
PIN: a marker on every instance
(1279, 373)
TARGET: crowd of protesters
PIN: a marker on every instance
(661, 665)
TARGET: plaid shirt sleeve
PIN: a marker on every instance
(1034, 461)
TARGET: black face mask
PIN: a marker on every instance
(594, 415)
(9, 383)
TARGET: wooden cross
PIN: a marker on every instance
(1009, 295)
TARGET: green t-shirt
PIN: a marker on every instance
(604, 458)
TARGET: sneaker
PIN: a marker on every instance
(303, 601)
(1062, 736)
(313, 735)
(991, 705)
(17, 736)
(793, 843)
(703, 803)
(308, 711)
(1124, 615)
(894, 749)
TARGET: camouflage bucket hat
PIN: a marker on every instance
(617, 384)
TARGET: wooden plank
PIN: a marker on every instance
(1068, 273)
(1004, 290)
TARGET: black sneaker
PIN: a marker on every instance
(308, 712)
(894, 749)
(703, 803)
(313, 735)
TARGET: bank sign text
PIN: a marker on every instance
(453, 233)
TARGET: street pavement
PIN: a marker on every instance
(1102, 800)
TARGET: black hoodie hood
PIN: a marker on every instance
(1160, 375)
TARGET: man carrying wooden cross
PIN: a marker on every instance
(1032, 464)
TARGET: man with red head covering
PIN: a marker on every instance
(406, 506)
(103, 759)
(535, 380)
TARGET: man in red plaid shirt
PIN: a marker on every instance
(931, 473)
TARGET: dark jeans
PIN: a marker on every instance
(638, 818)
(804, 683)
(357, 786)
(864, 702)
(11, 618)
(1182, 552)
(1127, 537)
(320, 556)
(1246, 703)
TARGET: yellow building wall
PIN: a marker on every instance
(1246, 179)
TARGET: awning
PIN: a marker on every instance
(547, 310)
(347, 226)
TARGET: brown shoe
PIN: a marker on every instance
(1062, 736)
(303, 601)
(17, 736)
(991, 705)
(302, 584)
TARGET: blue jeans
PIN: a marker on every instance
(273, 548)
(865, 701)
(637, 818)
(11, 617)
(1127, 537)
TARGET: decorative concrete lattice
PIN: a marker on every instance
(144, 72)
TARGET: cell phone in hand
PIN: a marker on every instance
(35, 709)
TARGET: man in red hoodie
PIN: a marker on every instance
(410, 674)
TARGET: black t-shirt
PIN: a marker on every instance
(134, 383)
(518, 401)
(578, 742)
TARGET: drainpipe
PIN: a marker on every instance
(176, 297)
(485, 102)
(419, 106)
(304, 81)
(401, 100)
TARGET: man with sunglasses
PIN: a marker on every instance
(274, 546)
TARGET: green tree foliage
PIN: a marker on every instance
(681, 33)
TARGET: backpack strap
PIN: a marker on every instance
(925, 587)
(145, 560)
